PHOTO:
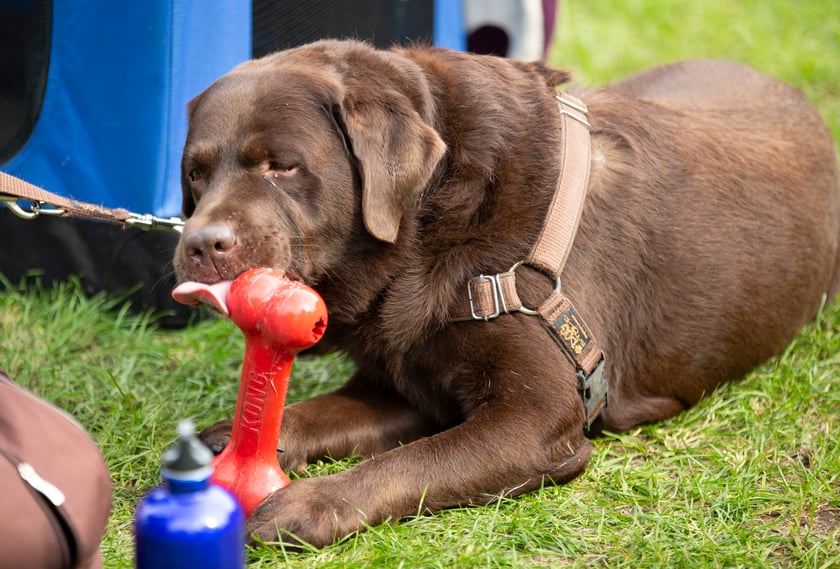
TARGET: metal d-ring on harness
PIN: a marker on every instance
(499, 295)
(489, 296)
(29, 202)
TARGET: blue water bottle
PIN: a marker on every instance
(189, 522)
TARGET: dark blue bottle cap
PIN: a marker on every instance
(187, 458)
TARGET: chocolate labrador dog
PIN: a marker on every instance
(390, 180)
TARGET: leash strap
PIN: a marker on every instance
(489, 296)
(13, 191)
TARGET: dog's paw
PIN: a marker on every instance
(308, 512)
(216, 437)
(299, 442)
(291, 457)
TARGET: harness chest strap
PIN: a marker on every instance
(561, 224)
(489, 296)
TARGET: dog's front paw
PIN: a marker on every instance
(309, 511)
(217, 436)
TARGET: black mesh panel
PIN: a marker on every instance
(282, 24)
(25, 29)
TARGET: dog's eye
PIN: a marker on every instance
(278, 168)
(194, 175)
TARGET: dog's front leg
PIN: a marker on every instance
(359, 418)
(501, 449)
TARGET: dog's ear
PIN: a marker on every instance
(396, 153)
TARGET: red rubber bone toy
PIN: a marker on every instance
(279, 318)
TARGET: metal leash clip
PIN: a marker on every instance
(32, 210)
(149, 221)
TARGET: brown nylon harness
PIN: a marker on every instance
(489, 296)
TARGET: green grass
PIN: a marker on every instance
(748, 478)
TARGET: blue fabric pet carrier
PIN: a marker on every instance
(93, 99)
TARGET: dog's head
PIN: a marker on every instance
(294, 159)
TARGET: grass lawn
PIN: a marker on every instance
(748, 478)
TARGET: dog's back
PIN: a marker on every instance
(707, 86)
(742, 224)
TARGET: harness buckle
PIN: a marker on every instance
(593, 390)
(495, 289)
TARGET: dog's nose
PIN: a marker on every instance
(209, 242)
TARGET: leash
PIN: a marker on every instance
(489, 296)
(15, 193)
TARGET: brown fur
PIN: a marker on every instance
(386, 179)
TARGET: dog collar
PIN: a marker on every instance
(489, 296)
